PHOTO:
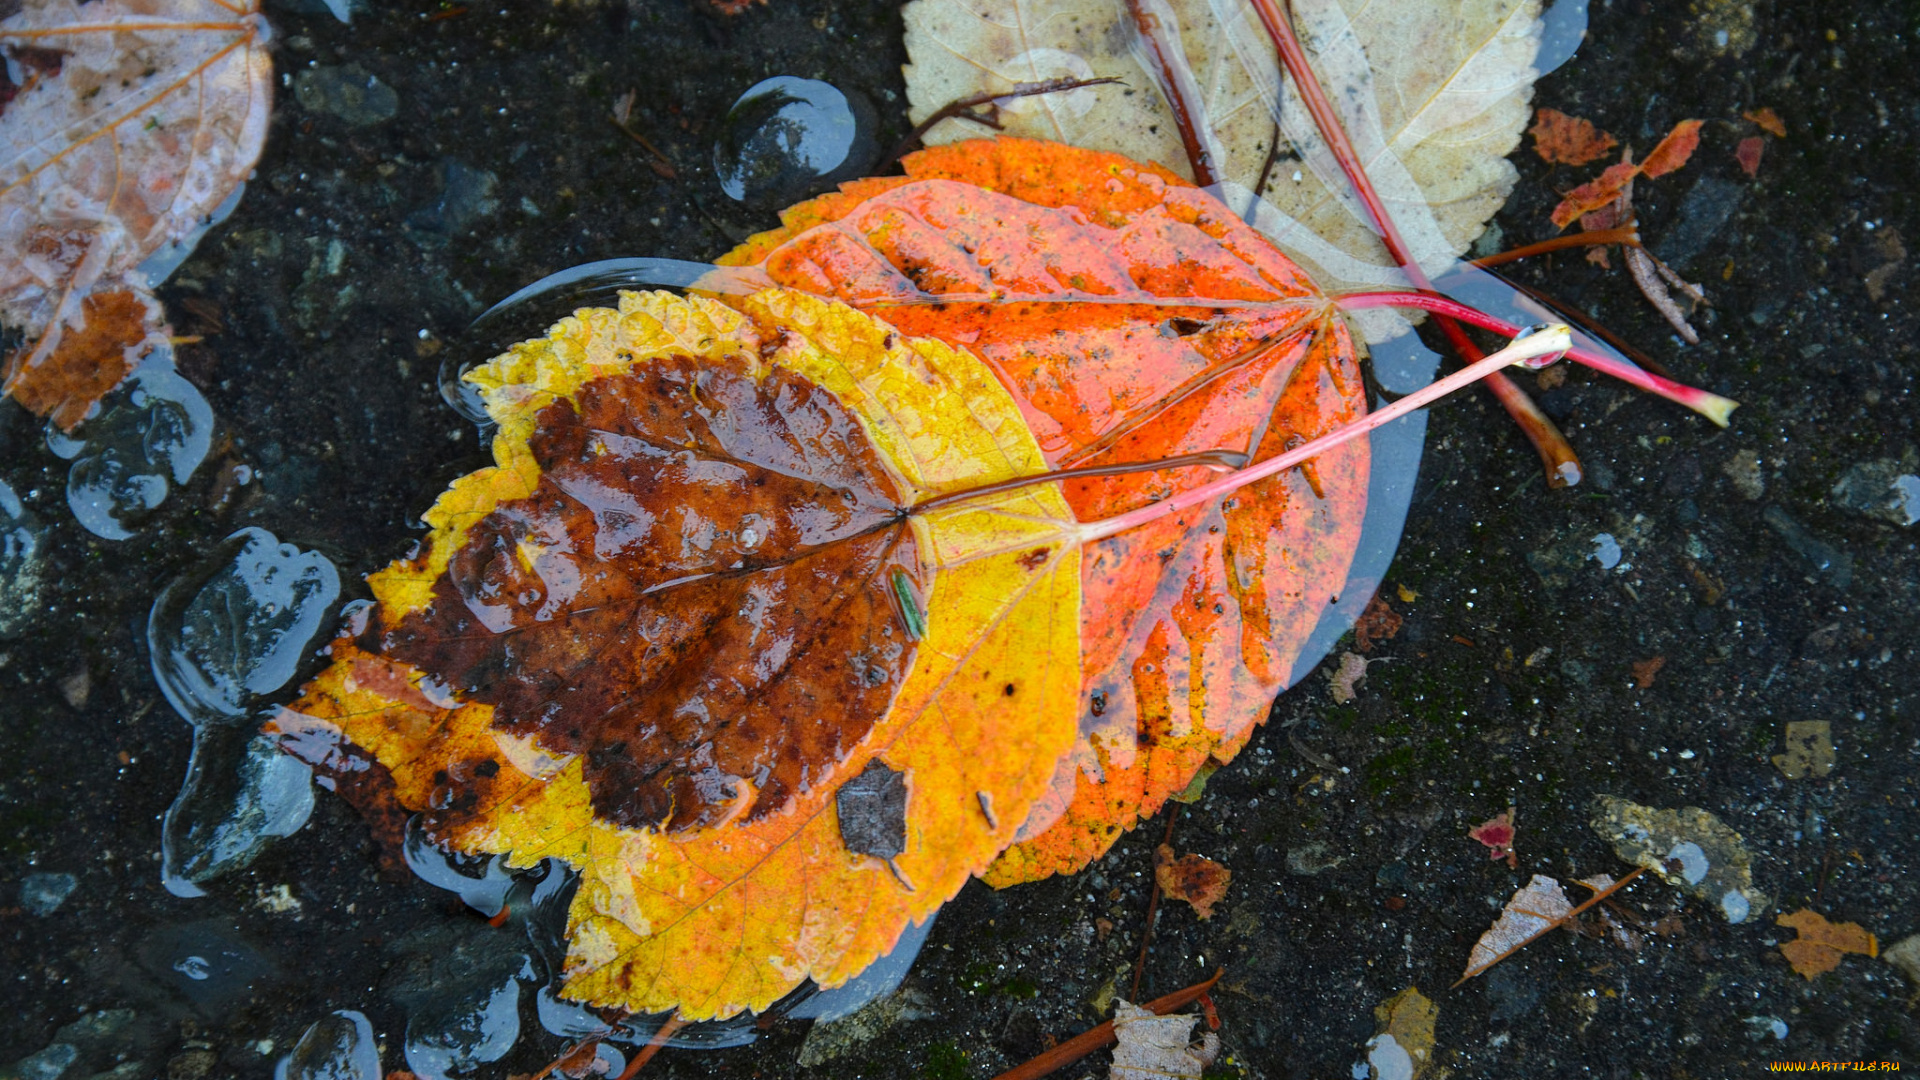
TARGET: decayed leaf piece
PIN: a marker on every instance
(664, 633)
(136, 120)
(1196, 879)
(1560, 139)
(1433, 95)
(116, 328)
(1150, 1047)
(1133, 317)
(1671, 154)
(1820, 944)
(1534, 910)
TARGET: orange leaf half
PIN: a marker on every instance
(1133, 317)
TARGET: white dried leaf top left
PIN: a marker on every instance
(127, 122)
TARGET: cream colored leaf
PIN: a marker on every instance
(1533, 911)
(135, 120)
(1434, 97)
(1150, 1047)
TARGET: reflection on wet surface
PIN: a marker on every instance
(787, 138)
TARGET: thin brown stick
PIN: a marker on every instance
(1153, 909)
(965, 109)
(1198, 158)
(1087, 1042)
(1555, 925)
(659, 1039)
(1625, 234)
(661, 165)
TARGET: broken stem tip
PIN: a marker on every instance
(1534, 348)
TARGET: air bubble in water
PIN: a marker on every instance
(787, 138)
(151, 433)
(339, 1046)
(224, 636)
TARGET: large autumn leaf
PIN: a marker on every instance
(705, 621)
(133, 120)
(1133, 317)
(1434, 97)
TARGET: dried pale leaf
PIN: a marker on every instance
(1150, 1047)
(1568, 140)
(1652, 281)
(1820, 944)
(1194, 878)
(1347, 677)
(152, 114)
(1534, 910)
(1433, 122)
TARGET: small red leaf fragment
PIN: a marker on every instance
(1594, 194)
(1748, 154)
(1194, 878)
(1820, 943)
(1768, 120)
(1645, 670)
(1674, 150)
(1567, 140)
(1497, 834)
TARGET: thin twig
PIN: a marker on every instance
(1153, 909)
(966, 109)
(659, 1039)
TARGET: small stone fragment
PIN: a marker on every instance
(348, 92)
(42, 894)
(1809, 750)
(1882, 489)
(1688, 848)
(1905, 955)
(1822, 559)
(1743, 469)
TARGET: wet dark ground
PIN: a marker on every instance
(1768, 598)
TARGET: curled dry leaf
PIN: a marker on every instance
(1768, 120)
(136, 120)
(1194, 878)
(1347, 678)
(1820, 944)
(1433, 95)
(1378, 623)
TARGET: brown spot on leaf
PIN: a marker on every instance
(693, 599)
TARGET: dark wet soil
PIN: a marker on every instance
(1512, 681)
